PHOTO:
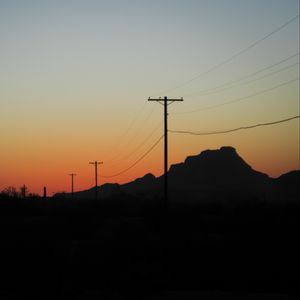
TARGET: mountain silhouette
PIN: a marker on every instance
(290, 179)
(210, 173)
(215, 168)
(288, 184)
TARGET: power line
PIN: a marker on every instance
(259, 78)
(197, 133)
(136, 162)
(136, 133)
(252, 80)
(238, 99)
(231, 58)
(234, 129)
(137, 115)
(233, 83)
(142, 143)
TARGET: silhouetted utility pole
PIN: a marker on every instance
(96, 163)
(165, 101)
(24, 190)
(45, 193)
(72, 184)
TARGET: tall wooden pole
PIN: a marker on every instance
(96, 163)
(165, 101)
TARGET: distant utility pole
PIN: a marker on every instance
(165, 103)
(96, 163)
(24, 190)
(72, 184)
(45, 193)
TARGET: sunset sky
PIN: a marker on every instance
(75, 77)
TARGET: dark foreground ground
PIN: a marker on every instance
(213, 251)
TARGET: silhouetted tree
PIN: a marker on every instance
(10, 191)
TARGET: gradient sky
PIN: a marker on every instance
(75, 77)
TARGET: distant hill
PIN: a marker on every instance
(289, 184)
(212, 173)
(290, 179)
